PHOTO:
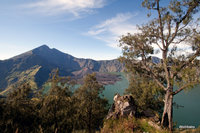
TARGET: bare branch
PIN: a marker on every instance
(159, 46)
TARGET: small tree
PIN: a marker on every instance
(168, 33)
(91, 106)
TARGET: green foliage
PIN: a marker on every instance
(91, 106)
(173, 27)
(146, 94)
(19, 113)
(172, 32)
(57, 108)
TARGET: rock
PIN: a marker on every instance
(123, 106)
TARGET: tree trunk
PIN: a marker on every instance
(89, 122)
(168, 110)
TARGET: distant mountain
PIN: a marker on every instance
(34, 66)
(155, 60)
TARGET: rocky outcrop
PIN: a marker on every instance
(123, 106)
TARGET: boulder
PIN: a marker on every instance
(123, 106)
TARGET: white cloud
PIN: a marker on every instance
(110, 30)
(75, 7)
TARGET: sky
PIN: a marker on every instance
(82, 28)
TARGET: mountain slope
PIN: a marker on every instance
(35, 66)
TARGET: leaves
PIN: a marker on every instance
(91, 105)
(170, 32)
(59, 110)
(146, 93)
(175, 32)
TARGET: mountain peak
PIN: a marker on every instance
(46, 59)
(44, 46)
(43, 49)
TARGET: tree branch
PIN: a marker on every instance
(155, 77)
(181, 40)
(169, 30)
(161, 24)
(183, 87)
(181, 20)
(187, 62)
(159, 46)
(165, 46)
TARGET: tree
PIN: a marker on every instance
(91, 106)
(174, 29)
(19, 113)
(57, 106)
(146, 94)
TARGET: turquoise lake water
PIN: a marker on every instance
(119, 87)
(189, 114)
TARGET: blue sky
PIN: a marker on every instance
(82, 28)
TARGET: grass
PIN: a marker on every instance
(133, 125)
(129, 125)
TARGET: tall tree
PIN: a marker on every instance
(57, 107)
(174, 30)
(91, 106)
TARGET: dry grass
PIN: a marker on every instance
(129, 125)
